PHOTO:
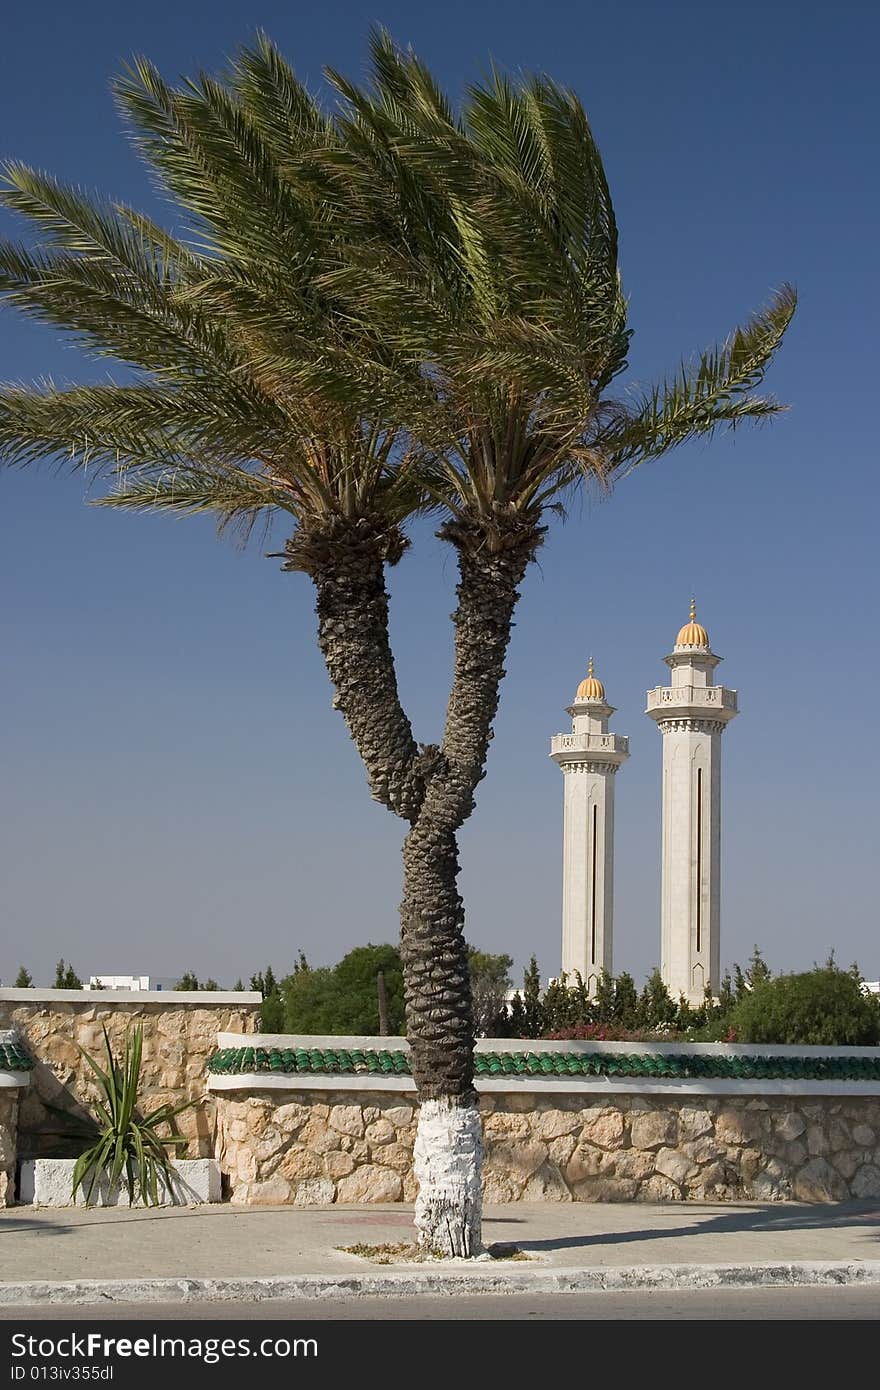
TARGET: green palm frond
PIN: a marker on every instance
(716, 391)
(394, 305)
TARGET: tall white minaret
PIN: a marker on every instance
(691, 714)
(589, 757)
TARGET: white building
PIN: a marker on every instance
(691, 714)
(133, 983)
(589, 758)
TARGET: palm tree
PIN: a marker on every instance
(385, 311)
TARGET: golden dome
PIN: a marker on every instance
(591, 688)
(693, 634)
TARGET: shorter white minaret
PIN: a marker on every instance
(691, 714)
(589, 757)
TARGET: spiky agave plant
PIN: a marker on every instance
(388, 310)
(129, 1146)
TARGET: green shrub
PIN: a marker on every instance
(824, 1006)
(344, 999)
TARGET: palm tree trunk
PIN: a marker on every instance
(346, 561)
(448, 1149)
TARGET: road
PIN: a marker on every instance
(850, 1302)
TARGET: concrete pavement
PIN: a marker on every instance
(223, 1252)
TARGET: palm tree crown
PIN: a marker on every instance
(377, 310)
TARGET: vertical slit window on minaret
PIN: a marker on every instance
(699, 893)
(593, 894)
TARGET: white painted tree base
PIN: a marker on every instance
(448, 1162)
(47, 1182)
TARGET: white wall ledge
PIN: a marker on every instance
(14, 1080)
(198, 998)
(541, 1085)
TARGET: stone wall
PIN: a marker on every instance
(180, 1033)
(312, 1147)
(8, 1126)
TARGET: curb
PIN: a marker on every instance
(97, 1292)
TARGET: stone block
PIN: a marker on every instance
(554, 1124)
(314, 1192)
(675, 1165)
(863, 1134)
(369, 1183)
(291, 1117)
(693, 1123)
(587, 1162)
(546, 1185)
(317, 1135)
(380, 1131)
(560, 1150)
(738, 1126)
(702, 1150)
(847, 1162)
(866, 1182)
(271, 1143)
(604, 1128)
(771, 1183)
(299, 1163)
(520, 1157)
(653, 1129)
(396, 1156)
(789, 1125)
(633, 1163)
(347, 1119)
(50, 1181)
(658, 1189)
(401, 1115)
(338, 1165)
(818, 1182)
(602, 1189)
(817, 1141)
(503, 1125)
(500, 1187)
(274, 1191)
(713, 1183)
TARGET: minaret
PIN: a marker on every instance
(691, 714)
(589, 757)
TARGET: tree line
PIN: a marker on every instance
(825, 1006)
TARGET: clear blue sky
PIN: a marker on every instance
(175, 790)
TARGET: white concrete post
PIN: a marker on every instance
(691, 714)
(589, 758)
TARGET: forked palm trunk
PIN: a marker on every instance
(448, 1152)
(432, 788)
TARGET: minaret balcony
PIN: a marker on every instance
(691, 701)
(598, 748)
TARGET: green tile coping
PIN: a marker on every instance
(13, 1057)
(293, 1061)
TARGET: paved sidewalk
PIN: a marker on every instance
(73, 1255)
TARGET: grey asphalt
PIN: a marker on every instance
(222, 1252)
(805, 1304)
